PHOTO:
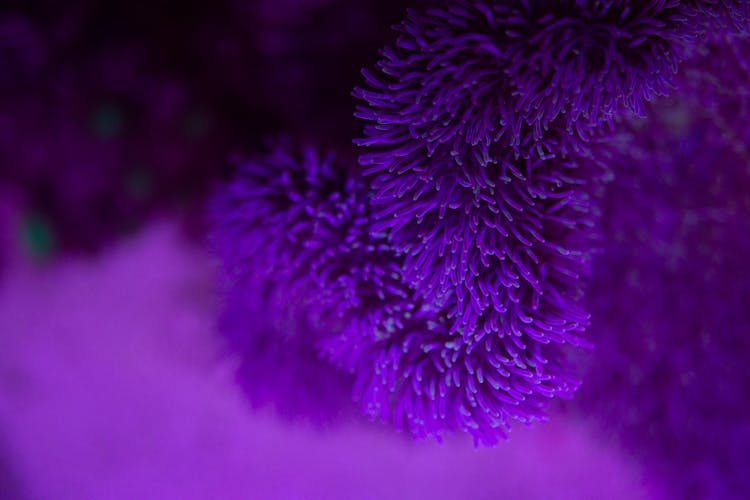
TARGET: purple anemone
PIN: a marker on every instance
(482, 144)
(717, 80)
(300, 220)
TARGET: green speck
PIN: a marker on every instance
(106, 122)
(196, 124)
(139, 183)
(38, 237)
(677, 118)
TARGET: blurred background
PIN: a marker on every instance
(117, 120)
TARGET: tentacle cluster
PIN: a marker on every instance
(590, 59)
(447, 276)
(485, 197)
(477, 74)
(303, 219)
(299, 217)
(428, 380)
(515, 246)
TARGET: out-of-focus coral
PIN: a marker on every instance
(671, 296)
(715, 17)
(273, 347)
(717, 80)
(280, 229)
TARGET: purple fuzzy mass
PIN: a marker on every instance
(720, 15)
(671, 298)
(268, 229)
(303, 219)
(299, 217)
(275, 352)
(717, 79)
